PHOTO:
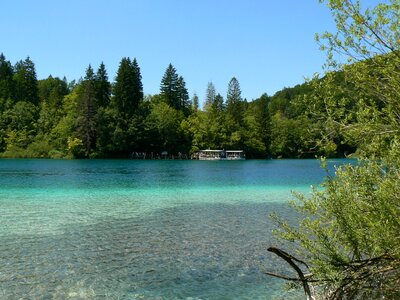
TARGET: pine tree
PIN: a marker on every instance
(122, 88)
(219, 103)
(234, 92)
(26, 85)
(173, 90)
(183, 96)
(169, 87)
(6, 78)
(137, 84)
(86, 123)
(214, 102)
(210, 95)
(234, 101)
(103, 87)
(128, 89)
(195, 102)
(264, 119)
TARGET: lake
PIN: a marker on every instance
(131, 229)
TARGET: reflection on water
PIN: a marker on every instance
(142, 230)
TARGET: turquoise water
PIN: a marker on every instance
(124, 229)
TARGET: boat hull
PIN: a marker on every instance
(230, 158)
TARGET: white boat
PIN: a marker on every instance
(220, 155)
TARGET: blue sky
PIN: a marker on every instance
(265, 44)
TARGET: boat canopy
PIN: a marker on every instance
(215, 154)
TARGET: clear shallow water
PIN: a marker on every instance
(123, 229)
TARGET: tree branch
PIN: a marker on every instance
(290, 260)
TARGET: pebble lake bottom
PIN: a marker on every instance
(123, 229)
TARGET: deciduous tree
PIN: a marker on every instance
(348, 232)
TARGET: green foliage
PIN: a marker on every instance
(26, 85)
(234, 101)
(253, 143)
(163, 124)
(65, 128)
(86, 114)
(214, 103)
(205, 130)
(40, 148)
(6, 79)
(105, 123)
(119, 124)
(370, 40)
(284, 135)
(102, 87)
(52, 90)
(287, 102)
(51, 94)
(128, 89)
(76, 148)
(195, 103)
(22, 116)
(169, 87)
(173, 90)
(348, 231)
(210, 95)
(183, 97)
(262, 116)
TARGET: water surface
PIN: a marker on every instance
(124, 229)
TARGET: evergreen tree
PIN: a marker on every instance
(234, 94)
(89, 77)
(183, 96)
(26, 85)
(128, 88)
(234, 101)
(103, 87)
(210, 95)
(86, 121)
(122, 88)
(169, 87)
(137, 84)
(6, 79)
(264, 119)
(219, 103)
(195, 103)
(173, 90)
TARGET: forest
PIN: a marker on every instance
(96, 118)
(345, 243)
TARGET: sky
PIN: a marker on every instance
(266, 44)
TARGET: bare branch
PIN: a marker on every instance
(290, 260)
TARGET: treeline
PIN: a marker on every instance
(96, 118)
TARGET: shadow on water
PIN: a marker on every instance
(197, 251)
